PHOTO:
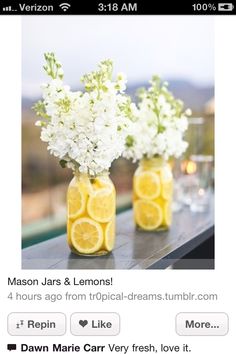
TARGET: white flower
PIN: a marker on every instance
(86, 130)
(121, 81)
(181, 124)
(188, 112)
(159, 125)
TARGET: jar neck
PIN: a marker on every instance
(154, 162)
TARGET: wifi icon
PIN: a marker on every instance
(65, 6)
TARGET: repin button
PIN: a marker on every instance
(36, 324)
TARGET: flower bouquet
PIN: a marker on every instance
(87, 131)
(157, 135)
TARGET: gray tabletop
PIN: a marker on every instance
(134, 249)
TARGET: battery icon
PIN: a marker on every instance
(225, 7)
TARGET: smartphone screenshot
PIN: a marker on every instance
(117, 176)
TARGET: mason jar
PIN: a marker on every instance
(91, 207)
(153, 194)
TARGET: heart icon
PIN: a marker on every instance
(83, 323)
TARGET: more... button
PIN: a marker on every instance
(36, 324)
(95, 324)
(202, 324)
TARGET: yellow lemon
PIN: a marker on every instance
(102, 182)
(167, 214)
(101, 205)
(166, 208)
(84, 183)
(109, 240)
(160, 201)
(148, 214)
(86, 236)
(76, 201)
(167, 190)
(166, 182)
(166, 174)
(147, 185)
(69, 223)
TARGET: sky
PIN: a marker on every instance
(174, 47)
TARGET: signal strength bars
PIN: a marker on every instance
(8, 8)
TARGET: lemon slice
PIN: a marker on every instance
(85, 184)
(109, 241)
(69, 223)
(160, 201)
(148, 214)
(166, 174)
(167, 182)
(102, 182)
(167, 214)
(101, 205)
(86, 236)
(76, 201)
(147, 185)
(167, 190)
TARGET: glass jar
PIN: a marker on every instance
(153, 194)
(91, 206)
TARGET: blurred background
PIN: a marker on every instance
(180, 49)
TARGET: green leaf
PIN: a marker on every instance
(63, 163)
(129, 141)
